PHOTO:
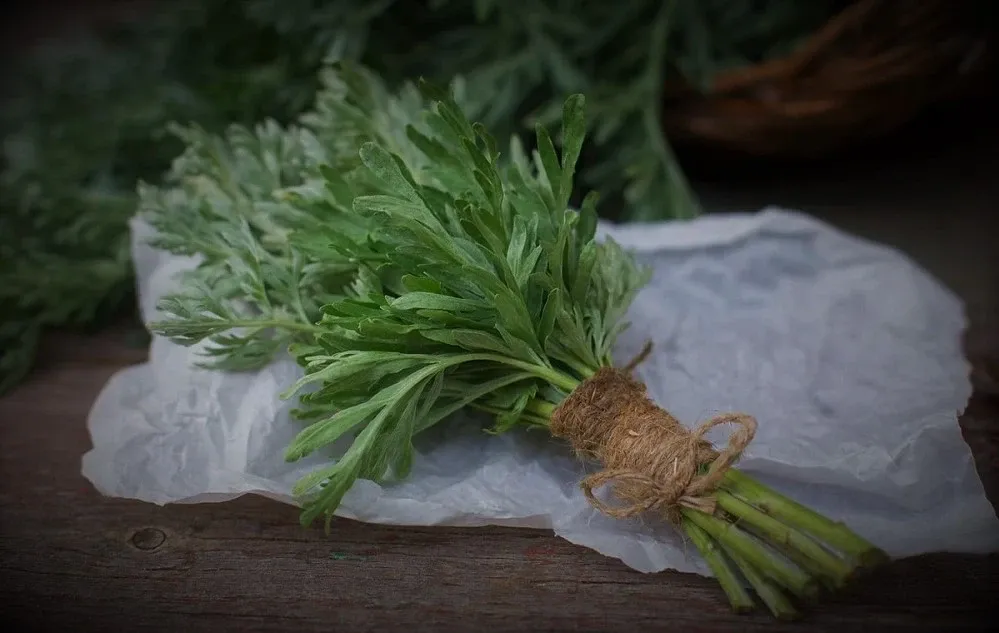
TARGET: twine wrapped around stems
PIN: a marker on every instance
(654, 462)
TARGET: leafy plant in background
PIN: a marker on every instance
(86, 119)
(521, 57)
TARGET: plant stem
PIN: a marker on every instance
(683, 200)
(797, 557)
(819, 559)
(580, 368)
(712, 553)
(554, 377)
(835, 534)
(769, 593)
(728, 534)
(525, 417)
(541, 407)
(256, 324)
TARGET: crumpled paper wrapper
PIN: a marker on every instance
(847, 353)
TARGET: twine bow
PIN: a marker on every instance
(684, 487)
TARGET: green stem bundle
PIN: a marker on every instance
(758, 537)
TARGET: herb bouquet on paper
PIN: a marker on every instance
(415, 271)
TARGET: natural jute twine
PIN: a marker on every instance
(652, 460)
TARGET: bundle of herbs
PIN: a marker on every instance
(415, 271)
(85, 118)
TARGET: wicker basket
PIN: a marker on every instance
(868, 71)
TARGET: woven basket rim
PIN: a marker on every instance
(853, 78)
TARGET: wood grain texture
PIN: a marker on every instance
(71, 559)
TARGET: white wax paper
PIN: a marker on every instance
(847, 353)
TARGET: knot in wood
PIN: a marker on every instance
(148, 538)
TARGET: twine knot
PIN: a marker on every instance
(654, 462)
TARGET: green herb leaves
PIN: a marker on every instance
(416, 274)
(229, 205)
(502, 287)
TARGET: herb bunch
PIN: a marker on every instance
(414, 270)
(352, 225)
